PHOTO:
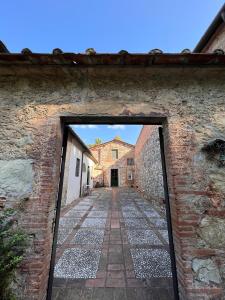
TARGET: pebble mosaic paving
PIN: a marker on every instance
(68, 222)
(88, 237)
(94, 222)
(139, 237)
(82, 207)
(74, 214)
(159, 223)
(164, 234)
(63, 233)
(78, 263)
(151, 263)
(111, 245)
(151, 213)
(136, 223)
(129, 208)
(99, 208)
(132, 214)
(98, 214)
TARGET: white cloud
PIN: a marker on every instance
(116, 126)
(85, 126)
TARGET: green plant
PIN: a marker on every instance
(98, 141)
(118, 138)
(13, 242)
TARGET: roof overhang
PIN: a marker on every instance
(84, 60)
(86, 149)
(218, 20)
(113, 141)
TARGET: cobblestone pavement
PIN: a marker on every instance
(112, 244)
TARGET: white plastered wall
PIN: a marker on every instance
(73, 185)
(89, 163)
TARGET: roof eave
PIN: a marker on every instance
(87, 150)
(73, 60)
(114, 140)
(218, 20)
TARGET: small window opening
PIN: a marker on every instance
(129, 176)
(114, 154)
(130, 161)
(77, 171)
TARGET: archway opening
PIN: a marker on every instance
(114, 240)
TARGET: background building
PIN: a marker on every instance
(115, 164)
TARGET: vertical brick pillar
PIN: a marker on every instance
(178, 151)
(40, 211)
(186, 182)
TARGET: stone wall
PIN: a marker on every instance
(148, 168)
(32, 100)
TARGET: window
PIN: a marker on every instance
(114, 154)
(84, 168)
(129, 176)
(77, 171)
(130, 161)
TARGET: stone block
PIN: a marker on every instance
(206, 270)
(212, 231)
(16, 178)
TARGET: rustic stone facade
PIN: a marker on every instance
(103, 154)
(148, 167)
(190, 100)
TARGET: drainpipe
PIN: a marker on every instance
(81, 174)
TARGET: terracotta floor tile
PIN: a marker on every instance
(97, 282)
(115, 282)
(115, 274)
(115, 267)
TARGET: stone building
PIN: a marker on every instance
(148, 167)
(115, 164)
(183, 92)
(79, 166)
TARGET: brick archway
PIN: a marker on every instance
(162, 121)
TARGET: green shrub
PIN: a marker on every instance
(13, 242)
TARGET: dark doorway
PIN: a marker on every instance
(88, 176)
(114, 177)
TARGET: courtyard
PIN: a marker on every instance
(112, 244)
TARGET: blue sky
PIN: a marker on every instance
(107, 26)
(88, 133)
